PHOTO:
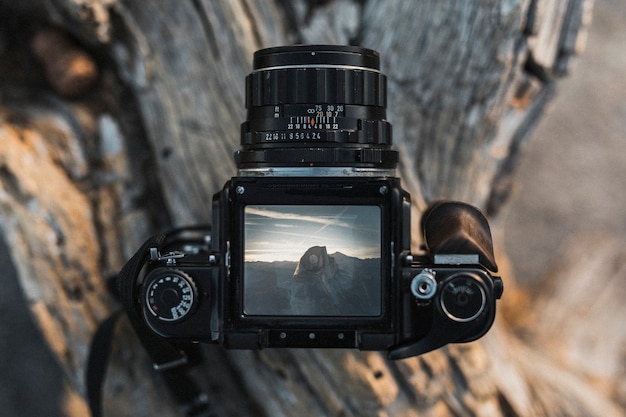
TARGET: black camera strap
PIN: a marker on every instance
(173, 361)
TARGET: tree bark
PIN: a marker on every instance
(84, 181)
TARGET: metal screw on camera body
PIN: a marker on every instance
(424, 285)
(240, 190)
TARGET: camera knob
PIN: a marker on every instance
(463, 297)
(170, 294)
(424, 285)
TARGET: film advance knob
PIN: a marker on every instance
(170, 295)
(463, 298)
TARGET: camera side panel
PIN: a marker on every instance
(178, 301)
(460, 308)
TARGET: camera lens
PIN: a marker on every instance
(463, 298)
(316, 106)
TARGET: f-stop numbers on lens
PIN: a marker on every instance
(170, 295)
(463, 298)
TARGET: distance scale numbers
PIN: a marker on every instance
(306, 122)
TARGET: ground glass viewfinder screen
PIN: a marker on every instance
(312, 260)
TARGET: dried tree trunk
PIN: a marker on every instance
(84, 181)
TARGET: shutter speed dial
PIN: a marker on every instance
(170, 295)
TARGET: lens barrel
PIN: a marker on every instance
(316, 106)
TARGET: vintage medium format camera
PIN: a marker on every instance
(310, 243)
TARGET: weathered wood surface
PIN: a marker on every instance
(84, 181)
(590, 299)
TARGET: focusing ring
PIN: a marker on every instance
(316, 85)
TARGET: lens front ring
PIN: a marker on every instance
(317, 55)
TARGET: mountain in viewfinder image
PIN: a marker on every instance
(318, 284)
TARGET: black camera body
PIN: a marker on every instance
(310, 244)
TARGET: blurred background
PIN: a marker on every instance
(571, 181)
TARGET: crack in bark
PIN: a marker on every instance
(207, 28)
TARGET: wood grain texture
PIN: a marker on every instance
(82, 183)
